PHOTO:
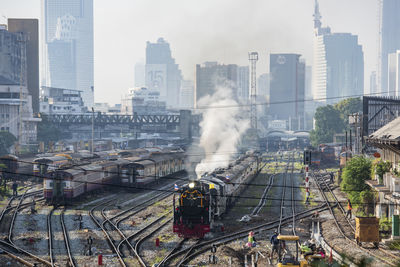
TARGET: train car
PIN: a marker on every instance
(327, 154)
(141, 172)
(64, 185)
(11, 166)
(202, 202)
(43, 165)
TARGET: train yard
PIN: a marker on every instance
(138, 227)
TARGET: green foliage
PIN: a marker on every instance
(385, 224)
(7, 139)
(347, 107)
(356, 172)
(330, 120)
(327, 123)
(381, 168)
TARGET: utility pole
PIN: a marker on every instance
(22, 42)
(92, 144)
(253, 57)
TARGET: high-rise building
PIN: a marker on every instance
(187, 95)
(162, 74)
(13, 56)
(263, 85)
(67, 32)
(287, 89)
(394, 73)
(338, 69)
(210, 75)
(390, 39)
(140, 80)
(30, 28)
(262, 95)
(243, 91)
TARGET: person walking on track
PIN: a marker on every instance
(275, 244)
(349, 208)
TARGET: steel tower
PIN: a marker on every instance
(253, 57)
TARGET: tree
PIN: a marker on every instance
(327, 123)
(330, 120)
(356, 172)
(347, 107)
(7, 139)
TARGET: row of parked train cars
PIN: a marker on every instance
(69, 176)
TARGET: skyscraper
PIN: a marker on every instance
(390, 38)
(394, 73)
(373, 83)
(139, 75)
(210, 75)
(162, 74)
(67, 32)
(186, 94)
(243, 90)
(287, 85)
(30, 28)
(338, 68)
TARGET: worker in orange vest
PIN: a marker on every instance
(349, 208)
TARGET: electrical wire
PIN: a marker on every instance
(112, 185)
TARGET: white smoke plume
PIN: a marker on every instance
(221, 129)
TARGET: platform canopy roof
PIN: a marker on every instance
(388, 134)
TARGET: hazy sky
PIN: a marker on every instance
(209, 30)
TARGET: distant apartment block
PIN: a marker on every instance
(10, 109)
(61, 101)
(143, 101)
(243, 91)
(394, 74)
(389, 38)
(187, 94)
(210, 75)
(162, 74)
(287, 89)
(30, 28)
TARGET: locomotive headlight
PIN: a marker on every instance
(191, 185)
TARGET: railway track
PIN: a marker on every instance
(263, 199)
(115, 235)
(9, 247)
(204, 245)
(59, 256)
(346, 228)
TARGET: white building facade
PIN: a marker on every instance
(10, 108)
(142, 101)
(61, 101)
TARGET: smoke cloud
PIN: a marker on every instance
(221, 129)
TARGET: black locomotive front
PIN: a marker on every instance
(191, 213)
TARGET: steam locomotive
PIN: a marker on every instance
(202, 202)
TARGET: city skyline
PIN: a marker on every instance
(226, 39)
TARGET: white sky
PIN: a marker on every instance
(209, 30)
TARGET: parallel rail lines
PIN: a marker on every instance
(341, 227)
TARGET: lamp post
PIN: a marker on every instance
(92, 145)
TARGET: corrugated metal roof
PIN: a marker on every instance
(390, 131)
